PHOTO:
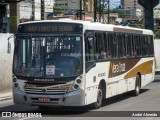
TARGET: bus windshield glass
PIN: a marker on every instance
(49, 56)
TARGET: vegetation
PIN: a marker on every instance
(156, 34)
(139, 26)
(57, 10)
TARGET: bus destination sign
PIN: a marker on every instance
(50, 28)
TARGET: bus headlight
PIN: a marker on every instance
(78, 81)
(14, 80)
(76, 85)
(16, 85)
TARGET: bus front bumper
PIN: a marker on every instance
(75, 98)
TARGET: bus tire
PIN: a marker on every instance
(137, 86)
(98, 103)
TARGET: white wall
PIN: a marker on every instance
(157, 53)
(5, 63)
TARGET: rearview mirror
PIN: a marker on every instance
(9, 44)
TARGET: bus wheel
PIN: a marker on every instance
(98, 103)
(137, 86)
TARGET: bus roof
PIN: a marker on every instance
(99, 26)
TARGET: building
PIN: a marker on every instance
(67, 6)
(88, 6)
(26, 9)
(157, 18)
(132, 8)
(127, 4)
(4, 18)
(157, 12)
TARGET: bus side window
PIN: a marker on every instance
(144, 46)
(122, 45)
(151, 46)
(89, 52)
(89, 48)
(110, 42)
(134, 52)
(138, 44)
(129, 48)
(107, 46)
(113, 44)
(141, 43)
(120, 48)
(125, 45)
(147, 45)
(100, 53)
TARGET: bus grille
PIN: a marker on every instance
(54, 90)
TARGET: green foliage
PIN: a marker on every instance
(157, 34)
(57, 10)
(99, 7)
(139, 26)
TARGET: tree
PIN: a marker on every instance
(57, 10)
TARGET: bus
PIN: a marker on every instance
(79, 63)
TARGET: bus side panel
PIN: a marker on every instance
(146, 79)
(122, 86)
(117, 85)
(93, 78)
(147, 71)
(131, 83)
(91, 86)
(112, 90)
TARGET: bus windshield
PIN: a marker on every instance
(49, 57)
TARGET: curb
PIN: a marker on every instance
(6, 96)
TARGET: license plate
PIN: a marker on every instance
(43, 99)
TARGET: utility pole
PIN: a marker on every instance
(79, 12)
(91, 6)
(85, 9)
(33, 10)
(42, 9)
(95, 10)
(80, 9)
(100, 10)
(134, 8)
(103, 12)
(108, 11)
(14, 16)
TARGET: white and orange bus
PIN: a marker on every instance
(79, 63)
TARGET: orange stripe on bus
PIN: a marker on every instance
(145, 68)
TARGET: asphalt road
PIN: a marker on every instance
(123, 107)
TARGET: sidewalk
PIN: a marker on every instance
(5, 96)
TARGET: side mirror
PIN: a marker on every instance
(9, 48)
(9, 44)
